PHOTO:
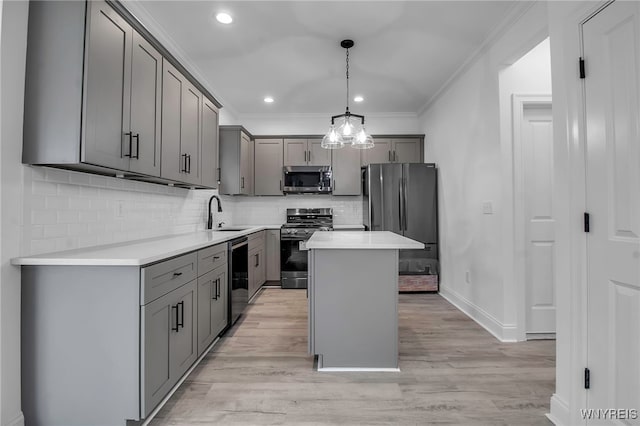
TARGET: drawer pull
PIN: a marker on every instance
(216, 257)
(177, 274)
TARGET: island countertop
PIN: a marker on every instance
(361, 240)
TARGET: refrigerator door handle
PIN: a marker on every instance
(405, 225)
(401, 204)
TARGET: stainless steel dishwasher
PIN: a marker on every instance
(238, 278)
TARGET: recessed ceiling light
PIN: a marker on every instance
(224, 18)
(268, 99)
(358, 99)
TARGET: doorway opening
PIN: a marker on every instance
(527, 131)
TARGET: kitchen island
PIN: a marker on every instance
(353, 299)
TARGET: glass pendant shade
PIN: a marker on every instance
(332, 140)
(362, 140)
(347, 128)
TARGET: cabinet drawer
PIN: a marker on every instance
(256, 240)
(161, 278)
(211, 258)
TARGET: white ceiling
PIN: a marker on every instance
(404, 52)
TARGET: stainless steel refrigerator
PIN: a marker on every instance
(403, 198)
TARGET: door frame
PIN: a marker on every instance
(518, 103)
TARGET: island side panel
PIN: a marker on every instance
(355, 302)
(80, 344)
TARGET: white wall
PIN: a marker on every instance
(12, 63)
(463, 137)
(318, 124)
(529, 75)
(273, 210)
(66, 210)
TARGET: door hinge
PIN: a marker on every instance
(586, 222)
(581, 63)
(587, 378)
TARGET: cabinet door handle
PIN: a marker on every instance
(130, 135)
(189, 164)
(137, 137)
(218, 288)
(184, 168)
(305, 156)
(309, 155)
(181, 323)
(394, 156)
(215, 293)
(177, 323)
(389, 156)
(219, 175)
(242, 182)
(257, 261)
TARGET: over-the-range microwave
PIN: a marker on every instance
(306, 179)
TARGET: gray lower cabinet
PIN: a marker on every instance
(257, 262)
(345, 165)
(169, 343)
(272, 254)
(268, 166)
(236, 161)
(105, 344)
(212, 306)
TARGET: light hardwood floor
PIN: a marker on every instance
(452, 372)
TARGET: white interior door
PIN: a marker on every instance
(537, 149)
(611, 51)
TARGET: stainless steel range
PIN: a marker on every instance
(301, 224)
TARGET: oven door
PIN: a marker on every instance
(293, 262)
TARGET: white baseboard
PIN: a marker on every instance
(17, 421)
(559, 411)
(502, 332)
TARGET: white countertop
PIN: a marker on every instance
(139, 252)
(361, 240)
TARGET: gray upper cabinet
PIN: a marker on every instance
(209, 165)
(190, 132)
(94, 100)
(236, 161)
(346, 171)
(303, 152)
(181, 118)
(108, 89)
(407, 150)
(317, 156)
(172, 83)
(394, 150)
(146, 107)
(268, 166)
(379, 154)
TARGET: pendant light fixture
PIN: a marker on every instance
(347, 128)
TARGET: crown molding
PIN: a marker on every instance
(518, 10)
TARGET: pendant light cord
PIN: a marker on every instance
(347, 80)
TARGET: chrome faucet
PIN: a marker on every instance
(210, 221)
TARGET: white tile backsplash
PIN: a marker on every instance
(347, 210)
(68, 210)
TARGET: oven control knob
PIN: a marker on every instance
(294, 231)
